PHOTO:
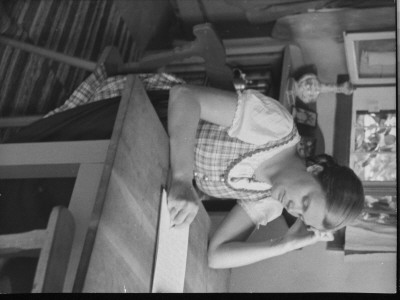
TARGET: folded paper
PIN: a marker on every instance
(171, 254)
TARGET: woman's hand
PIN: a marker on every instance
(299, 236)
(186, 106)
(183, 203)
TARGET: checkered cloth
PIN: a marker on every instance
(100, 87)
(216, 153)
(159, 81)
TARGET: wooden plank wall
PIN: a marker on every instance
(32, 85)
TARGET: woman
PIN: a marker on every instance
(246, 149)
(257, 165)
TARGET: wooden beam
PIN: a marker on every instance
(39, 171)
(20, 121)
(54, 256)
(67, 59)
(22, 244)
(48, 153)
(81, 206)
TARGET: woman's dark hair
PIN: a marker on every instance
(344, 192)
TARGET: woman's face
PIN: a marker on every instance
(303, 197)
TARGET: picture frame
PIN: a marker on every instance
(304, 116)
(371, 57)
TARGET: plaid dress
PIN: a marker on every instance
(217, 153)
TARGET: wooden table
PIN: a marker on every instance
(119, 249)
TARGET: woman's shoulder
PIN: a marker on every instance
(266, 104)
(260, 119)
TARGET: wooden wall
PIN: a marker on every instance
(32, 85)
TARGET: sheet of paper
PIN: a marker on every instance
(171, 254)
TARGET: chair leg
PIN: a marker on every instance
(81, 206)
(55, 254)
(22, 244)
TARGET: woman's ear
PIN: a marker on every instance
(315, 169)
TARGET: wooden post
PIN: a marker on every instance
(70, 60)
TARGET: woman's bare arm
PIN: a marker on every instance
(228, 247)
(187, 105)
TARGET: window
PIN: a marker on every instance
(374, 152)
(373, 134)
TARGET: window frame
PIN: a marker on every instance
(352, 41)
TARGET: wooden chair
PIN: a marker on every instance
(52, 245)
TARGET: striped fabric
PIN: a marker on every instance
(32, 85)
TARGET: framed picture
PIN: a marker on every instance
(371, 57)
(304, 116)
